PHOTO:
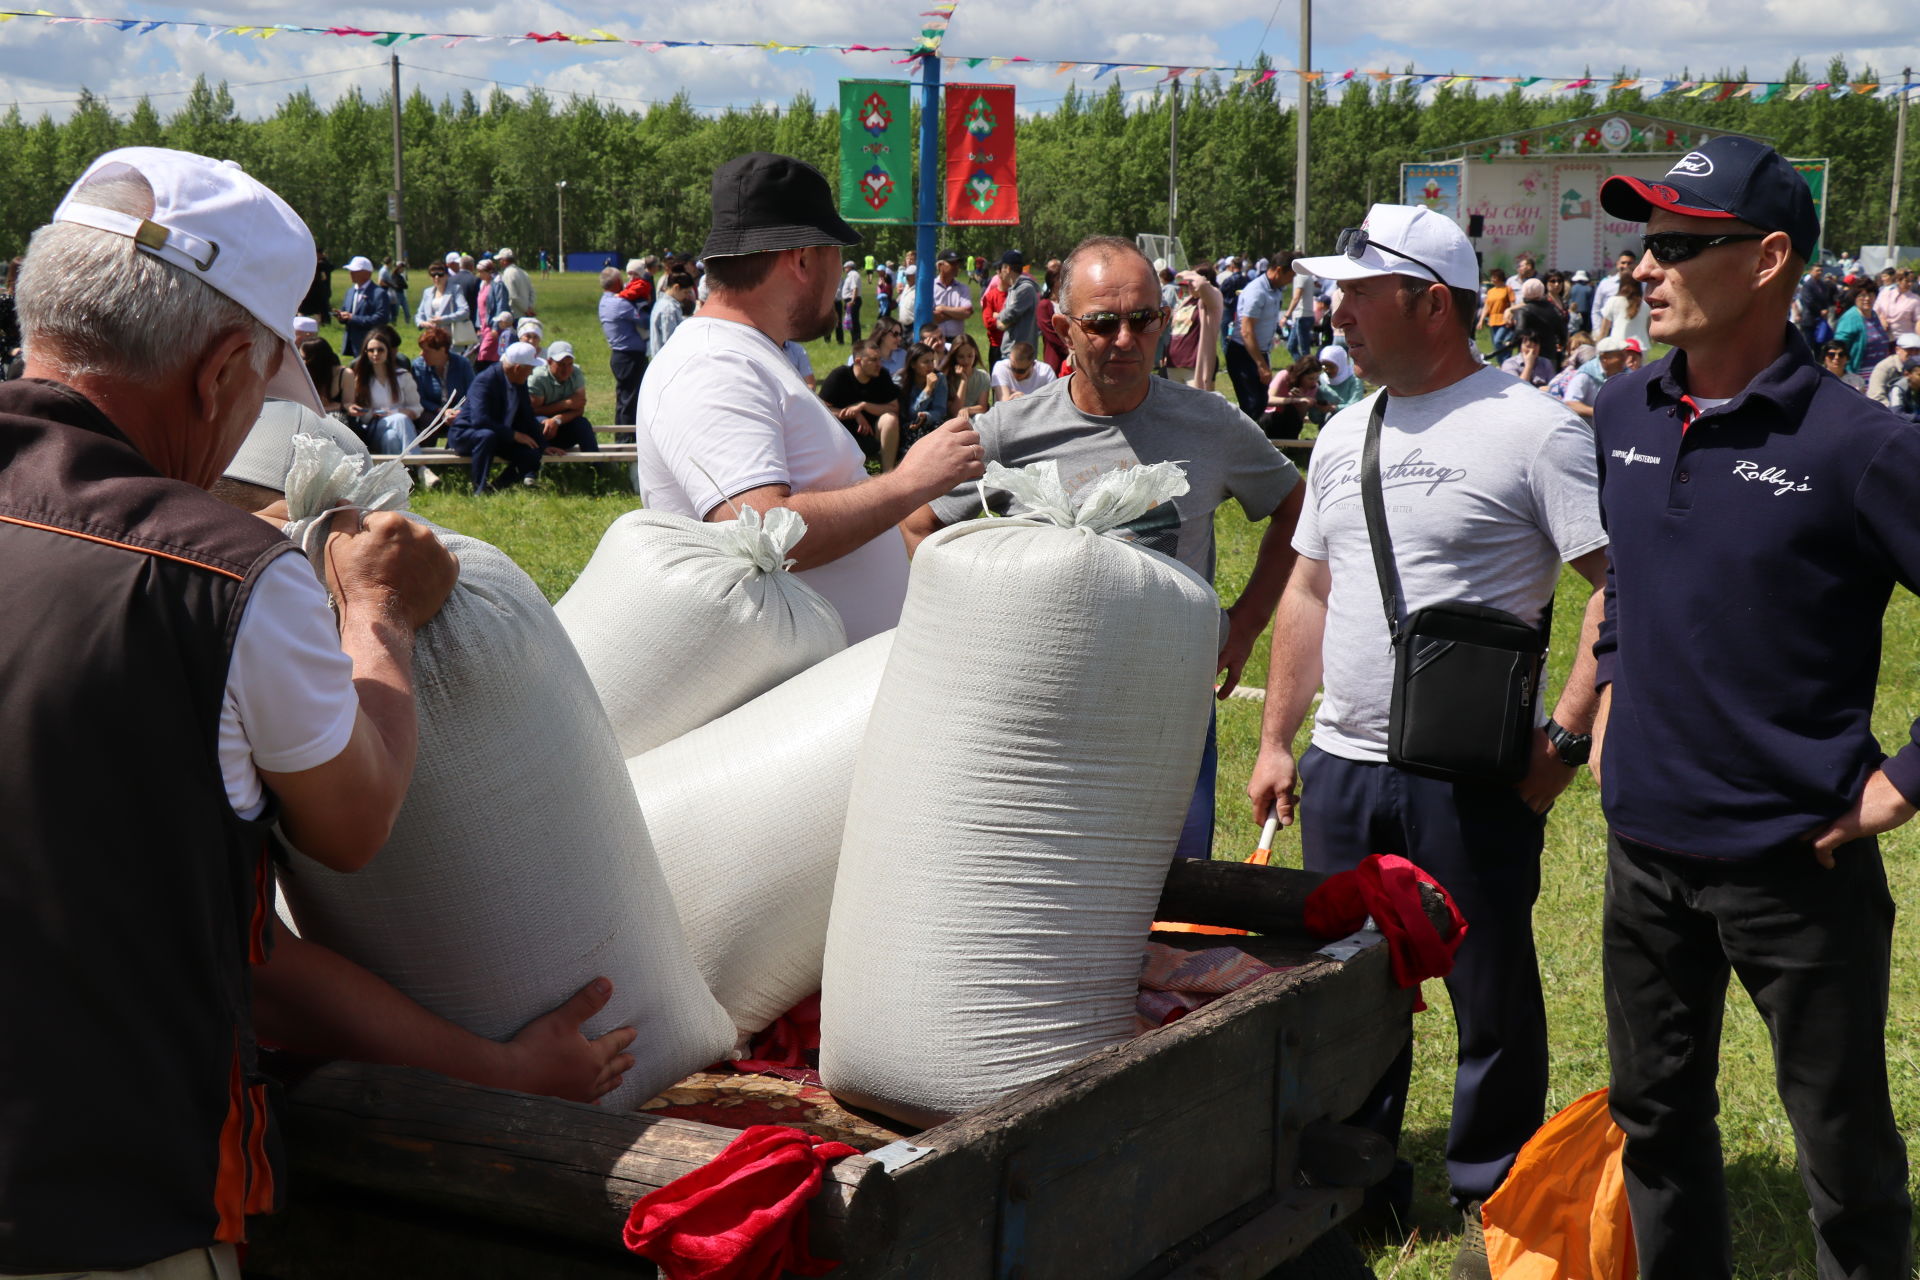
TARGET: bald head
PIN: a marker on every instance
(1116, 257)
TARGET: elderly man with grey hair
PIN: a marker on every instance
(186, 695)
(626, 332)
(518, 283)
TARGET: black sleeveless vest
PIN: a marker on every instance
(133, 900)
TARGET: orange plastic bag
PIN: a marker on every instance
(1562, 1212)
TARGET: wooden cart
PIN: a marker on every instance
(1207, 1148)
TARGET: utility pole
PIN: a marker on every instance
(1300, 160)
(1173, 166)
(1899, 165)
(396, 203)
(927, 241)
(560, 224)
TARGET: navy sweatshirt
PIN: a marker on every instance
(1753, 556)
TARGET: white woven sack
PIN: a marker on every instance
(679, 621)
(1028, 764)
(746, 814)
(519, 868)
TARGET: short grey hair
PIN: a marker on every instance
(93, 304)
(612, 277)
(1104, 248)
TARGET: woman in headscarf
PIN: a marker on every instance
(1341, 386)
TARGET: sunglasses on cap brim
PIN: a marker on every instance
(1669, 247)
(1354, 242)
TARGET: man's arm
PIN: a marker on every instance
(1247, 617)
(389, 578)
(314, 1001)
(960, 312)
(843, 520)
(1254, 349)
(1293, 676)
(1547, 776)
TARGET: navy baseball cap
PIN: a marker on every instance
(1727, 177)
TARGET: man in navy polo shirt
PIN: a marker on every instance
(1760, 512)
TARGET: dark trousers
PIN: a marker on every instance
(1483, 844)
(628, 368)
(577, 434)
(1196, 833)
(1811, 948)
(853, 316)
(1249, 388)
(839, 318)
(484, 446)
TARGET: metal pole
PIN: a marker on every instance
(1173, 166)
(1899, 166)
(1300, 159)
(926, 244)
(560, 223)
(399, 186)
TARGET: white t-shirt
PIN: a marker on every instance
(290, 702)
(850, 285)
(1620, 324)
(721, 412)
(1037, 377)
(1489, 486)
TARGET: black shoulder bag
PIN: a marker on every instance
(1466, 677)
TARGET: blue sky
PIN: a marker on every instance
(42, 66)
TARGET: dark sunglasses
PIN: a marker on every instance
(1354, 242)
(1669, 247)
(1104, 324)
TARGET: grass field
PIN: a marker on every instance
(552, 531)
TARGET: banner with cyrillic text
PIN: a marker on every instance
(876, 151)
(982, 175)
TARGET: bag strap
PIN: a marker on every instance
(1375, 506)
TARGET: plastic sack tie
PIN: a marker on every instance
(763, 540)
(325, 480)
(1110, 501)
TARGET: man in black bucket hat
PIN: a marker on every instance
(726, 423)
(1760, 513)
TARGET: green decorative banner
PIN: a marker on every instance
(876, 151)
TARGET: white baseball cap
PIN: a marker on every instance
(1612, 342)
(266, 455)
(522, 353)
(228, 230)
(305, 325)
(529, 323)
(504, 253)
(562, 350)
(360, 264)
(1405, 240)
(1908, 341)
(636, 266)
(453, 258)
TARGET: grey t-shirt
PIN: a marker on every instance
(1223, 453)
(1489, 486)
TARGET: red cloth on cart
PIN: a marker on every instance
(1387, 887)
(740, 1216)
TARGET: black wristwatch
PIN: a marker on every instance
(1572, 748)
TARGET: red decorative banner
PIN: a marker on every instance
(982, 176)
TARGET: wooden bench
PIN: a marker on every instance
(443, 457)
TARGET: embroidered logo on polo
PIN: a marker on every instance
(1692, 165)
(1628, 456)
(1774, 477)
(1412, 472)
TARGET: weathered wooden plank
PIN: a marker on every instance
(1255, 1247)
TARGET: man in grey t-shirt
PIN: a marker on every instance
(1112, 412)
(1489, 487)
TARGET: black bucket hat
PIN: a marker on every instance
(764, 202)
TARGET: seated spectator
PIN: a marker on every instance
(1905, 355)
(441, 373)
(924, 393)
(1904, 399)
(968, 386)
(1291, 394)
(533, 333)
(1341, 386)
(676, 295)
(386, 401)
(889, 340)
(1528, 365)
(497, 421)
(932, 335)
(497, 338)
(329, 379)
(1020, 374)
(1578, 385)
(558, 393)
(867, 402)
(1834, 357)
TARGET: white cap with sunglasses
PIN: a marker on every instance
(1401, 240)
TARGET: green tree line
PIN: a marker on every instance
(482, 173)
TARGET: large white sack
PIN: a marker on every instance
(519, 868)
(679, 621)
(746, 814)
(1028, 764)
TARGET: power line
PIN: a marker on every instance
(178, 93)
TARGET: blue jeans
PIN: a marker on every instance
(391, 433)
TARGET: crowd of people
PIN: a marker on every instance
(1726, 720)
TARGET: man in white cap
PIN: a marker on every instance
(497, 421)
(518, 283)
(186, 691)
(1488, 487)
(366, 306)
(1904, 356)
(557, 392)
(305, 327)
